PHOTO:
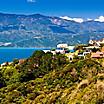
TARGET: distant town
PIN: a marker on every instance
(94, 49)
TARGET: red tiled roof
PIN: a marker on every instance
(97, 55)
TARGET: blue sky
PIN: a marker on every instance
(73, 8)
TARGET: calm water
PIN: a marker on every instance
(8, 54)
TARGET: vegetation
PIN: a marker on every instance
(45, 78)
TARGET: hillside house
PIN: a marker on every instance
(96, 42)
(71, 48)
(70, 56)
(62, 46)
(97, 55)
(90, 48)
(101, 42)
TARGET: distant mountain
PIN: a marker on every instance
(45, 31)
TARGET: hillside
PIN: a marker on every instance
(51, 79)
(45, 31)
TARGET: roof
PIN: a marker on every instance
(81, 55)
(47, 51)
(97, 55)
(101, 41)
(71, 47)
(62, 46)
(91, 47)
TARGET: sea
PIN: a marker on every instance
(9, 54)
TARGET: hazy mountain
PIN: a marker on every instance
(43, 31)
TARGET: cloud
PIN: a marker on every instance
(89, 19)
(100, 19)
(79, 20)
(66, 18)
(31, 1)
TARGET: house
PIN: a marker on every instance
(91, 42)
(60, 51)
(96, 42)
(3, 64)
(71, 48)
(70, 56)
(53, 52)
(6, 63)
(47, 51)
(97, 55)
(90, 48)
(81, 55)
(62, 45)
(101, 42)
(86, 53)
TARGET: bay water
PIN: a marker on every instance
(9, 54)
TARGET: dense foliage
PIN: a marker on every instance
(45, 78)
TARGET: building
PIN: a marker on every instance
(62, 46)
(101, 42)
(71, 48)
(47, 51)
(90, 48)
(96, 42)
(70, 56)
(97, 55)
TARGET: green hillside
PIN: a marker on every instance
(51, 79)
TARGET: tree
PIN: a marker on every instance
(2, 82)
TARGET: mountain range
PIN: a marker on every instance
(37, 30)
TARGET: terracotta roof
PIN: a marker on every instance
(97, 55)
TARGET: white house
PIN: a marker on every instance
(60, 51)
(47, 51)
(62, 45)
(71, 47)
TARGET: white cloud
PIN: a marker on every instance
(79, 20)
(31, 1)
(66, 18)
(100, 19)
(89, 19)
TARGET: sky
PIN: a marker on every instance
(73, 8)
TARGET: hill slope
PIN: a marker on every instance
(52, 81)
